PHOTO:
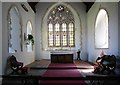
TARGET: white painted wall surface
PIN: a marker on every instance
(79, 11)
(119, 29)
(112, 9)
(118, 62)
(23, 56)
(0, 42)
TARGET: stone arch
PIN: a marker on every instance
(78, 25)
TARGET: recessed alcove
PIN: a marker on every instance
(14, 30)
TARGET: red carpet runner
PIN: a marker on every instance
(57, 72)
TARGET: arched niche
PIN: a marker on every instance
(101, 29)
(14, 30)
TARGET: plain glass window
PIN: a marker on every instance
(29, 32)
(14, 30)
(101, 29)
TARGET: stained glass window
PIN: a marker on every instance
(61, 27)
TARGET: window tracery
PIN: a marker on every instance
(61, 27)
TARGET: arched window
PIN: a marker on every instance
(29, 32)
(101, 29)
(61, 29)
(14, 30)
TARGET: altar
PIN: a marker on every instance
(62, 56)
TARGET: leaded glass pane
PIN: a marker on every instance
(64, 34)
(57, 27)
(57, 34)
(50, 27)
(50, 37)
(71, 27)
(71, 34)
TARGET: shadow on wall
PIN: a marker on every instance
(118, 60)
(0, 81)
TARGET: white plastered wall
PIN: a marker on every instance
(23, 56)
(112, 10)
(118, 62)
(0, 42)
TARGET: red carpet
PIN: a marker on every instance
(62, 73)
(67, 65)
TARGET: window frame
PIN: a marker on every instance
(67, 29)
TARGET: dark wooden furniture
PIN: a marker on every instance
(15, 65)
(106, 63)
(78, 55)
(61, 58)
